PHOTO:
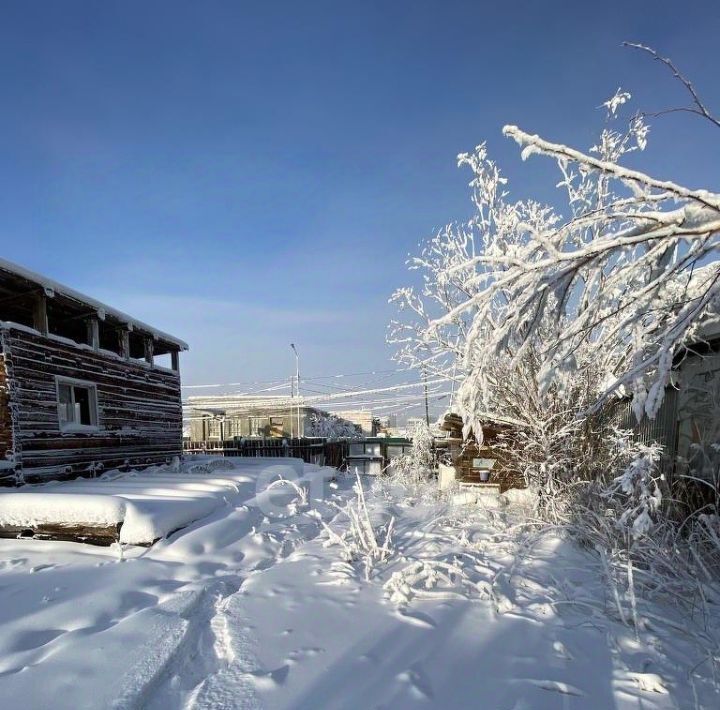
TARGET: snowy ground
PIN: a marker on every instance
(252, 607)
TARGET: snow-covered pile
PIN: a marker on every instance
(147, 505)
(36, 508)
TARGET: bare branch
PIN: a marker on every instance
(700, 109)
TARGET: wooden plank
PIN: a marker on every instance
(86, 533)
(6, 426)
(93, 328)
(124, 336)
(40, 318)
(149, 349)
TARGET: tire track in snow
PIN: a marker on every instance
(231, 683)
(215, 666)
(231, 686)
(198, 655)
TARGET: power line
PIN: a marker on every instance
(304, 379)
(331, 396)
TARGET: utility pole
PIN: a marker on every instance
(297, 377)
(427, 408)
(292, 397)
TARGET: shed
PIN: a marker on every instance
(468, 458)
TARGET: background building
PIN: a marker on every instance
(226, 417)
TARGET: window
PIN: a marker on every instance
(77, 405)
(365, 449)
(394, 451)
(257, 426)
(213, 427)
(357, 449)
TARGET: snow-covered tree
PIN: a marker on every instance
(631, 272)
(418, 463)
(330, 426)
(544, 316)
(453, 317)
(436, 327)
(624, 276)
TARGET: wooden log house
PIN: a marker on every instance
(464, 453)
(83, 387)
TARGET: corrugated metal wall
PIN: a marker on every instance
(663, 429)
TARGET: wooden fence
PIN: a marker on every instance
(319, 451)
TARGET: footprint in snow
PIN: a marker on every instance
(133, 601)
(301, 654)
(40, 568)
(418, 681)
(561, 651)
(17, 562)
(416, 618)
(271, 679)
(11, 671)
(558, 687)
(29, 640)
(649, 682)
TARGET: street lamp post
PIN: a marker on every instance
(297, 379)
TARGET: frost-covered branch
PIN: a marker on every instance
(644, 267)
(535, 144)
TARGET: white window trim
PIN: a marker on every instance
(94, 409)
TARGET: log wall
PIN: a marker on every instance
(139, 408)
(6, 432)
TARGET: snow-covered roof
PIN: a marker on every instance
(53, 288)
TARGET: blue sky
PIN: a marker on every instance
(245, 175)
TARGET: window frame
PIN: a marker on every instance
(253, 426)
(77, 427)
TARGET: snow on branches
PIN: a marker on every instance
(626, 274)
(440, 325)
(608, 293)
(639, 486)
(330, 426)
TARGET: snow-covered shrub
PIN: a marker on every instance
(299, 490)
(638, 492)
(220, 464)
(417, 465)
(429, 579)
(645, 550)
(362, 541)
